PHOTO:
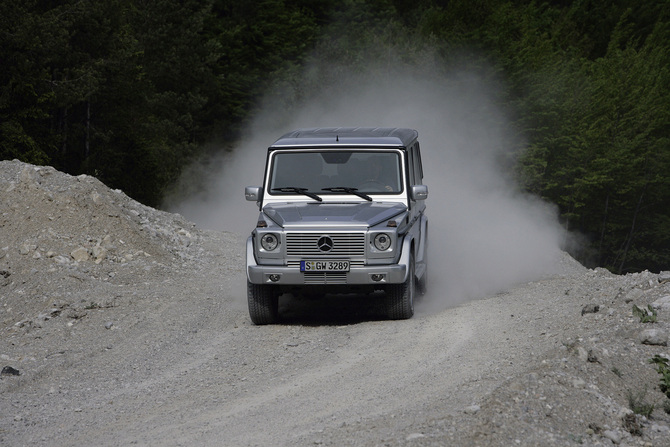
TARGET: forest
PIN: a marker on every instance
(131, 91)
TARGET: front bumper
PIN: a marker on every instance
(357, 275)
(369, 275)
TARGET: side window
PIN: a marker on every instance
(410, 164)
(418, 168)
(415, 170)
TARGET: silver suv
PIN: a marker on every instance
(341, 210)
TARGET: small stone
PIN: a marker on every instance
(662, 303)
(80, 254)
(655, 337)
(9, 371)
(26, 248)
(414, 436)
(472, 409)
(582, 353)
(96, 198)
(107, 243)
(613, 435)
(99, 253)
(590, 309)
(109, 325)
(592, 357)
(660, 428)
(61, 260)
(633, 295)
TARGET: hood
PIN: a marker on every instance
(363, 215)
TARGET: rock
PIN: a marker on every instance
(109, 325)
(99, 253)
(9, 371)
(26, 248)
(662, 303)
(61, 260)
(633, 295)
(414, 436)
(582, 353)
(107, 243)
(613, 435)
(96, 198)
(28, 177)
(660, 428)
(472, 409)
(578, 383)
(655, 337)
(80, 254)
(590, 309)
(664, 277)
(4, 277)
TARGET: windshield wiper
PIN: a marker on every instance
(297, 190)
(348, 190)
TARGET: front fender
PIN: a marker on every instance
(251, 258)
(405, 253)
(414, 241)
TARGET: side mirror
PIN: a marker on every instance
(252, 193)
(418, 192)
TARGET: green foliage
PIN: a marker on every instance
(645, 316)
(638, 403)
(599, 144)
(663, 368)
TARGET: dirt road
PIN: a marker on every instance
(157, 348)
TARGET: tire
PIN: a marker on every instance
(263, 303)
(401, 296)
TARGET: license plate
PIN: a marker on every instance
(325, 266)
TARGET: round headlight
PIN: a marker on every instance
(382, 241)
(269, 241)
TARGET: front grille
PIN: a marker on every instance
(326, 278)
(307, 244)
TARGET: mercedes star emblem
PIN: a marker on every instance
(325, 243)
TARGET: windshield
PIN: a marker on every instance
(337, 172)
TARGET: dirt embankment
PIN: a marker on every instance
(121, 324)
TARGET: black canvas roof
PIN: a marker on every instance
(348, 136)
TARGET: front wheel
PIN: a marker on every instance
(401, 296)
(263, 303)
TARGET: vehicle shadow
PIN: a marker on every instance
(332, 309)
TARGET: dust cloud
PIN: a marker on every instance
(484, 234)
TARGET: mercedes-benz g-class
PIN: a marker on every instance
(341, 210)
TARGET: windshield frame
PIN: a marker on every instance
(399, 194)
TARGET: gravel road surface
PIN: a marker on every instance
(121, 324)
